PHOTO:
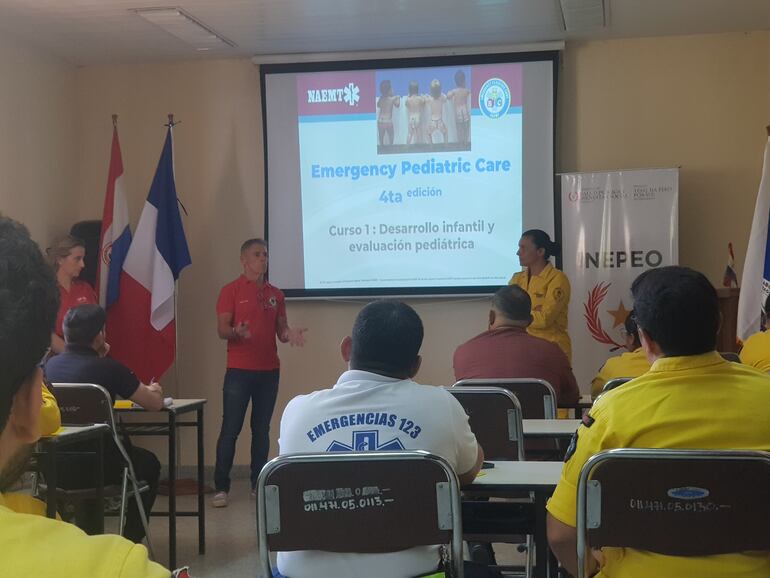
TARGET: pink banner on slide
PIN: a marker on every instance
(343, 92)
(508, 73)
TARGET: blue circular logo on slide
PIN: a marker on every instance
(494, 98)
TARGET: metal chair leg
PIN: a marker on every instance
(530, 556)
(142, 513)
(123, 501)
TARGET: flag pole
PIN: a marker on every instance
(184, 486)
(176, 466)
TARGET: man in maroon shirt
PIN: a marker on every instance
(251, 313)
(506, 350)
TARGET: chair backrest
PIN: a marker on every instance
(358, 502)
(674, 502)
(536, 396)
(730, 356)
(613, 383)
(83, 404)
(494, 415)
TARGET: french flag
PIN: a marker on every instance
(115, 237)
(141, 328)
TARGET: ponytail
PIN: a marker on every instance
(541, 240)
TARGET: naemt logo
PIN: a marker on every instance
(349, 94)
(494, 98)
(366, 441)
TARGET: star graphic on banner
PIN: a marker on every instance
(619, 315)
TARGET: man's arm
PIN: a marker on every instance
(468, 477)
(563, 541)
(286, 334)
(226, 330)
(150, 397)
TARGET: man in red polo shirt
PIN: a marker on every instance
(251, 313)
(506, 350)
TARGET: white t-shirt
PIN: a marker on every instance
(366, 411)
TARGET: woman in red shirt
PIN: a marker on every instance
(67, 254)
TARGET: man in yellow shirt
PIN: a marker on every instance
(32, 545)
(690, 398)
(632, 363)
(756, 350)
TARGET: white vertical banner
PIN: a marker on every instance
(615, 225)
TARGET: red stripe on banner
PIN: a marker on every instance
(133, 341)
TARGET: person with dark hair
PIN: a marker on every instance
(632, 363)
(506, 350)
(690, 398)
(756, 350)
(251, 313)
(31, 544)
(84, 361)
(376, 406)
(548, 287)
(66, 255)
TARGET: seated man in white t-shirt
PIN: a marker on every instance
(383, 356)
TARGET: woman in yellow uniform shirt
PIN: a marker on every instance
(547, 287)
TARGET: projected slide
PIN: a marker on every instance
(410, 177)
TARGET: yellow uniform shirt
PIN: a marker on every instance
(694, 402)
(549, 292)
(756, 351)
(33, 546)
(630, 364)
(50, 417)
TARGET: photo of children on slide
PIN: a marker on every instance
(423, 110)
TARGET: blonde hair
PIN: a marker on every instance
(61, 247)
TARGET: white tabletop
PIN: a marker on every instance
(550, 427)
(521, 475)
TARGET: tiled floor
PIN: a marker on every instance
(231, 536)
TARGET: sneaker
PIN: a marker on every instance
(254, 492)
(219, 500)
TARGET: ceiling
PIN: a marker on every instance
(86, 32)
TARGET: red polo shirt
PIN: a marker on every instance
(80, 293)
(260, 308)
(512, 352)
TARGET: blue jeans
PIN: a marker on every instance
(240, 387)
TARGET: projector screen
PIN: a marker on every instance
(406, 177)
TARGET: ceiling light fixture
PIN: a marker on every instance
(582, 15)
(184, 26)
